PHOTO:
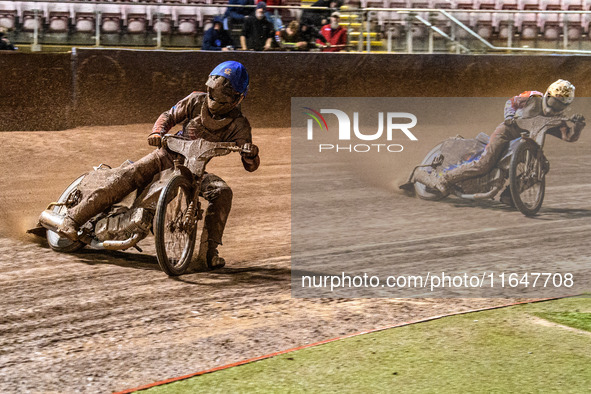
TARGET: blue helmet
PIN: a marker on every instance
(236, 73)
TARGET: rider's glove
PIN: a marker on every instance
(578, 118)
(155, 139)
(250, 151)
(509, 121)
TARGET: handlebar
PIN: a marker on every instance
(229, 146)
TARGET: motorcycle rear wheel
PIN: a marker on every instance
(423, 191)
(527, 178)
(175, 238)
(55, 241)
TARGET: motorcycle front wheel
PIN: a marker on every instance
(527, 178)
(55, 241)
(174, 230)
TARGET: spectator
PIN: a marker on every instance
(336, 35)
(5, 44)
(319, 18)
(270, 14)
(291, 38)
(216, 38)
(237, 14)
(257, 33)
(310, 34)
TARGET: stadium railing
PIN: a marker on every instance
(460, 26)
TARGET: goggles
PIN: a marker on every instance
(557, 103)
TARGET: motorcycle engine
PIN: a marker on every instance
(123, 224)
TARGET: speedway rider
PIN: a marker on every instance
(529, 104)
(214, 116)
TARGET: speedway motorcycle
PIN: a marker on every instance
(169, 207)
(523, 167)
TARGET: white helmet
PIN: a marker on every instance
(558, 96)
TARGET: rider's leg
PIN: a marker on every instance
(120, 182)
(219, 196)
(497, 144)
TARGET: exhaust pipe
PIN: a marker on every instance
(116, 245)
(479, 196)
(50, 220)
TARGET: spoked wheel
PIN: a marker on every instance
(62, 244)
(527, 178)
(423, 191)
(174, 229)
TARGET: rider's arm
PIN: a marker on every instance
(566, 133)
(241, 135)
(178, 113)
(572, 134)
(518, 102)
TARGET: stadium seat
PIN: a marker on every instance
(8, 13)
(398, 4)
(84, 18)
(27, 15)
(439, 20)
(550, 24)
(528, 5)
(373, 3)
(463, 4)
(136, 18)
(501, 23)
(483, 24)
(208, 13)
(575, 22)
(527, 25)
(506, 4)
(186, 20)
(573, 5)
(59, 16)
(419, 30)
(467, 19)
(485, 4)
(110, 18)
(395, 21)
(162, 19)
(550, 4)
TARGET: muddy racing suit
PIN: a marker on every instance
(527, 105)
(197, 122)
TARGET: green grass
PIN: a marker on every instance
(578, 320)
(505, 350)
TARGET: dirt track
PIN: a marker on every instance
(104, 321)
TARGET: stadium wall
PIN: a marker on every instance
(103, 87)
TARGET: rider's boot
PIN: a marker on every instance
(68, 229)
(441, 183)
(214, 261)
(432, 180)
